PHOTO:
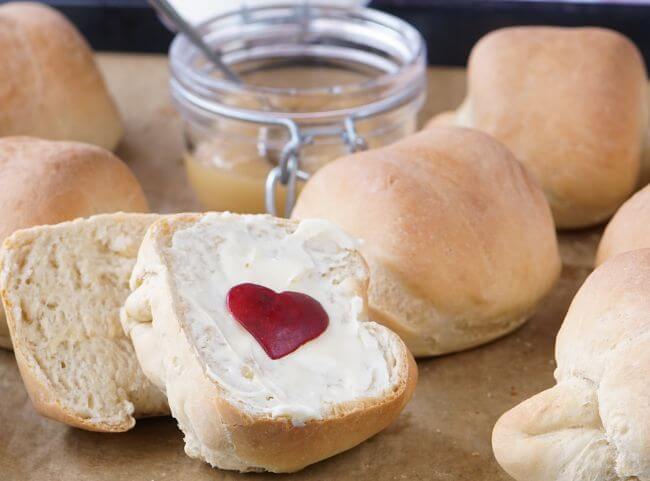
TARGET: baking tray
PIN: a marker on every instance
(443, 434)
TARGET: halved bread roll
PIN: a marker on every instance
(571, 104)
(238, 408)
(62, 287)
(629, 229)
(595, 423)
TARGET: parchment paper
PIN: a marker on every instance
(444, 433)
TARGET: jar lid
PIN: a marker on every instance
(388, 54)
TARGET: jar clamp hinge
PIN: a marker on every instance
(288, 170)
(287, 173)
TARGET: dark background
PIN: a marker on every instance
(450, 27)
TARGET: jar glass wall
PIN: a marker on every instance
(329, 79)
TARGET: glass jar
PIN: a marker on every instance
(317, 82)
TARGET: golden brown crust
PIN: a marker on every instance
(276, 445)
(45, 68)
(629, 229)
(47, 182)
(571, 103)
(459, 238)
(281, 447)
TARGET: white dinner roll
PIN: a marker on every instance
(50, 86)
(47, 182)
(571, 104)
(458, 236)
(594, 424)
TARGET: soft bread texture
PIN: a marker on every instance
(62, 287)
(50, 86)
(629, 229)
(571, 104)
(595, 423)
(47, 182)
(458, 237)
(230, 427)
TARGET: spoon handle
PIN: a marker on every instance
(169, 13)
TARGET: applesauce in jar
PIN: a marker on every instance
(315, 83)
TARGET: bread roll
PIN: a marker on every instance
(63, 287)
(595, 423)
(50, 86)
(47, 182)
(238, 407)
(459, 238)
(629, 229)
(571, 104)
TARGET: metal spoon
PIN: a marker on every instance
(176, 22)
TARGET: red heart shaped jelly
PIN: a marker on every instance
(280, 323)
